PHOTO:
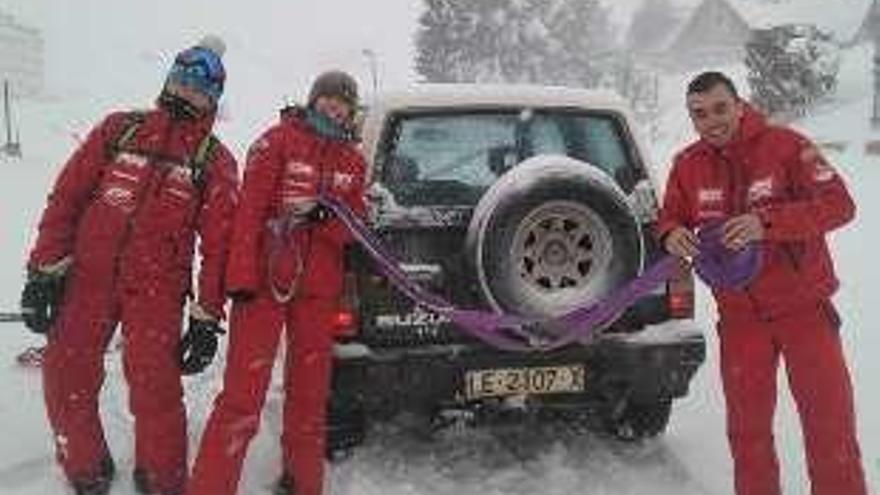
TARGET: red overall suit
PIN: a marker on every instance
(128, 218)
(779, 175)
(297, 282)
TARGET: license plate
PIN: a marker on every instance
(512, 381)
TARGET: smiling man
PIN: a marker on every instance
(765, 184)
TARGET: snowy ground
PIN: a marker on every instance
(690, 459)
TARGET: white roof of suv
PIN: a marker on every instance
(474, 96)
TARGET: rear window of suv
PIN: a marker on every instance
(451, 158)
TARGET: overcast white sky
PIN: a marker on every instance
(291, 39)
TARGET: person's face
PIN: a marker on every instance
(715, 114)
(195, 97)
(336, 108)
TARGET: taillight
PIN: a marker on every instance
(680, 292)
(345, 322)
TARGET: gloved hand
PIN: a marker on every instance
(199, 345)
(41, 299)
(309, 210)
(319, 213)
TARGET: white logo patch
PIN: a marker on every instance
(761, 188)
(343, 181)
(710, 196)
(119, 197)
(126, 158)
(823, 172)
(300, 168)
(180, 174)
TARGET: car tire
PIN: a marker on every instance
(552, 234)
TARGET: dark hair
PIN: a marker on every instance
(708, 80)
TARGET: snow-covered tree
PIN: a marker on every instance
(791, 67)
(562, 42)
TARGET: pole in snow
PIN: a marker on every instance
(12, 147)
(374, 70)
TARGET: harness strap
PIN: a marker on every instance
(197, 164)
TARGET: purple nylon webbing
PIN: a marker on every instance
(504, 330)
(493, 328)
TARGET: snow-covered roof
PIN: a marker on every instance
(841, 17)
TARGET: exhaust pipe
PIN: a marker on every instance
(9, 317)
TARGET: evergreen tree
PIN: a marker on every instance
(791, 67)
(514, 41)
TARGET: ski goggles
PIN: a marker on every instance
(201, 69)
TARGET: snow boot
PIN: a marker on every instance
(100, 485)
(284, 486)
(142, 485)
(141, 481)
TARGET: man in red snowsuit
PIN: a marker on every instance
(769, 185)
(118, 236)
(286, 270)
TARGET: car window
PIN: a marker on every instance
(451, 158)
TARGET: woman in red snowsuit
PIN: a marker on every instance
(286, 270)
(121, 224)
(770, 185)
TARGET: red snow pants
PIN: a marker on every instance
(254, 337)
(73, 372)
(817, 375)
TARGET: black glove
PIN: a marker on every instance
(241, 295)
(318, 214)
(199, 345)
(41, 299)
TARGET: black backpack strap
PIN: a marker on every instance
(198, 164)
(132, 121)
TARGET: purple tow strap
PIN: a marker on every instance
(723, 268)
(716, 265)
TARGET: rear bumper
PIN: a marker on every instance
(657, 362)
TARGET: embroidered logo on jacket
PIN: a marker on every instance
(822, 170)
(710, 196)
(759, 189)
(180, 173)
(119, 197)
(343, 181)
(300, 169)
(134, 159)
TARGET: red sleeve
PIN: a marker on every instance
(820, 203)
(258, 188)
(675, 211)
(353, 197)
(215, 229)
(71, 194)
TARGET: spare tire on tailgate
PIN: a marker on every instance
(551, 234)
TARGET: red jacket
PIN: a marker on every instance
(780, 175)
(290, 163)
(132, 215)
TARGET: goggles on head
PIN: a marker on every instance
(201, 69)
